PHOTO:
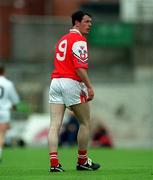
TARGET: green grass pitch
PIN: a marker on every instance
(117, 164)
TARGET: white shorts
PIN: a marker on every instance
(67, 91)
(5, 116)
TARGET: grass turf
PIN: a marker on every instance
(117, 164)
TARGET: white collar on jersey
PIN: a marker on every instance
(75, 31)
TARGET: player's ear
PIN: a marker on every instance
(77, 23)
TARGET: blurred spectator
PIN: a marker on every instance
(101, 137)
(68, 135)
(100, 134)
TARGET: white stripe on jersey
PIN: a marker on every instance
(79, 49)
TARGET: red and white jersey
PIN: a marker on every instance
(71, 53)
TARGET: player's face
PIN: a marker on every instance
(85, 25)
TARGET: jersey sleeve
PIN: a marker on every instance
(13, 95)
(80, 54)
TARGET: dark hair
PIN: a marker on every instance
(2, 69)
(78, 15)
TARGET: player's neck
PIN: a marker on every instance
(75, 30)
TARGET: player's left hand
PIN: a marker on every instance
(90, 94)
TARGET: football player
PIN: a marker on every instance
(8, 100)
(71, 88)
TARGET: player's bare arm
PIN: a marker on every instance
(82, 73)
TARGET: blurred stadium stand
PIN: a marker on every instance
(121, 51)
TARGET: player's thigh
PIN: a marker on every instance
(57, 113)
(82, 112)
(4, 127)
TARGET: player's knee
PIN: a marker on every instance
(85, 124)
(55, 127)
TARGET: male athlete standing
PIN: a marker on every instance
(70, 87)
(8, 100)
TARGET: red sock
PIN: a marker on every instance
(82, 156)
(53, 159)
